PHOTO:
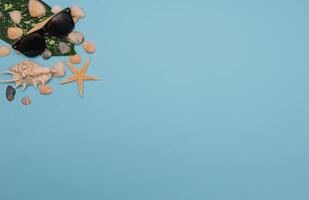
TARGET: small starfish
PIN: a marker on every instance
(79, 76)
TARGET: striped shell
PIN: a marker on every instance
(30, 73)
(26, 101)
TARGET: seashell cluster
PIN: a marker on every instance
(4, 51)
(31, 73)
(26, 101)
(36, 8)
(75, 37)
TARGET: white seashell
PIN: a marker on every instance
(76, 37)
(64, 48)
(89, 47)
(14, 33)
(46, 54)
(59, 70)
(77, 12)
(76, 59)
(36, 8)
(29, 73)
(4, 51)
(15, 16)
(56, 9)
(45, 89)
(26, 101)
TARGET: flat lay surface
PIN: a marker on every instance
(197, 100)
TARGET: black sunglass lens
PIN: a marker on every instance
(31, 45)
(61, 24)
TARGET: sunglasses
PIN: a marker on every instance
(33, 44)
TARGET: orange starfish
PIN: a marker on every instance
(79, 76)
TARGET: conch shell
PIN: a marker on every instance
(31, 73)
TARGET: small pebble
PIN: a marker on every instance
(26, 101)
(76, 37)
(64, 48)
(45, 89)
(76, 59)
(56, 9)
(14, 33)
(46, 54)
(89, 47)
(10, 93)
(36, 8)
(15, 16)
(4, 51)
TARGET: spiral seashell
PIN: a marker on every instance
(29, 73)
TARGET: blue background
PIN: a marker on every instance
(199, 100)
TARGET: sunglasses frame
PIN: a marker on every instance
(44, 31)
